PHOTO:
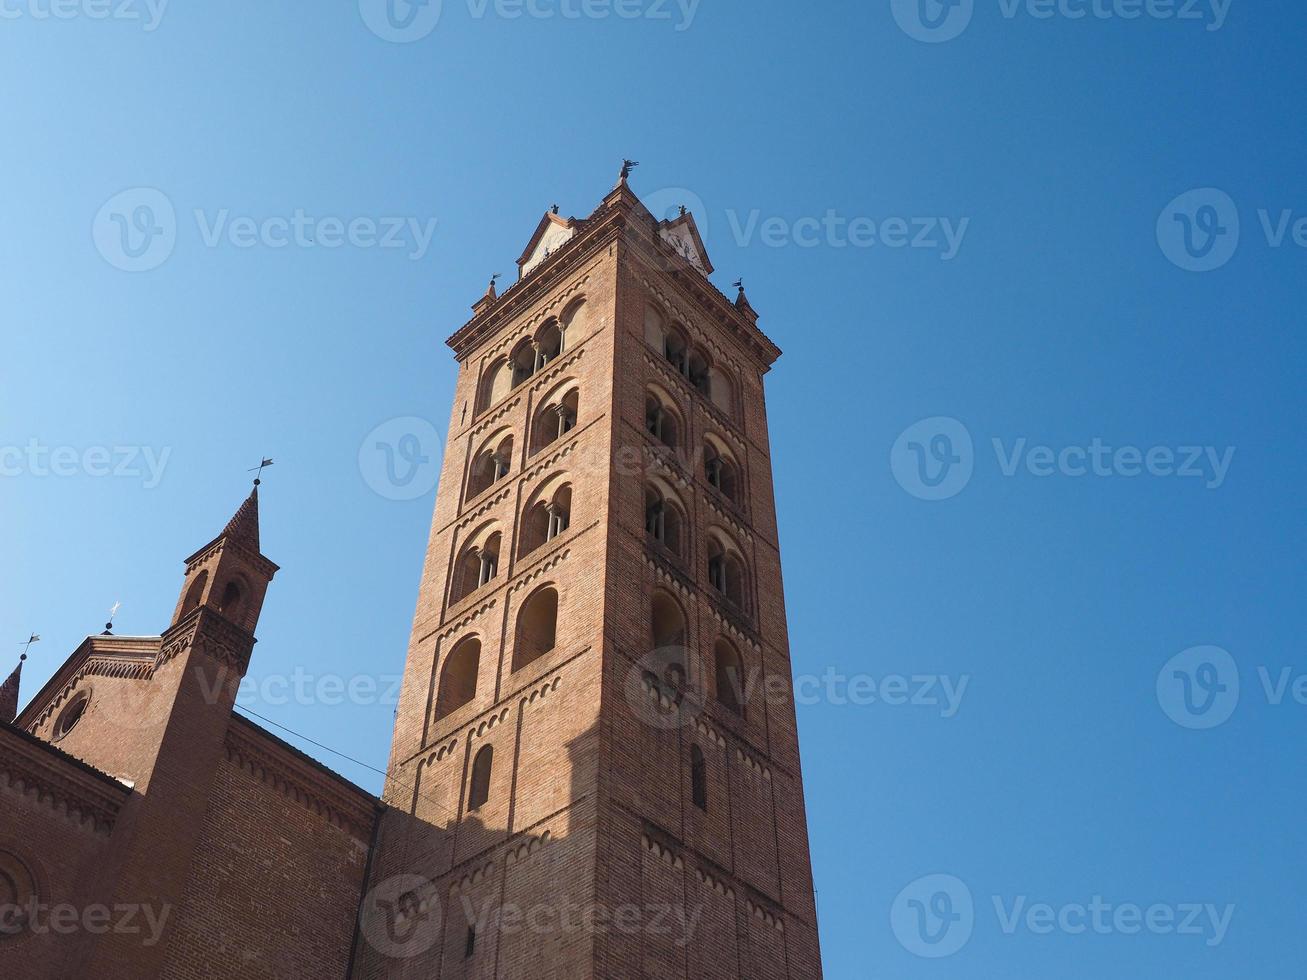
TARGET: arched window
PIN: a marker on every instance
(479, 791)
(666, 623)
(233, 596)
(660, 421)
(721, 391)
(458, 678)
(662, 519)
(697, 371)
(556, 418)
(195, 592)
(726, 572)
(676, 349)
(537, 627)
(490, 466)
(719, 470)
(546, 519)
(730, 683)
(523, 362)
(698, 778)
(476, 566)
(549, 344)
(495, 384)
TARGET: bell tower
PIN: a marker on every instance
(595, 767)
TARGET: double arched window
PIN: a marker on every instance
(490, 465)
(556, 417)
(664, 519)
(547, 516)
(726, 573)
(660, 419)
(530, 355)
(477, 564)
(720, 468)
(672, 341)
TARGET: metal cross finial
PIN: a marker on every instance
(553, 209)
(113, 612)
(258, 470)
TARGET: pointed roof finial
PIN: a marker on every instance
(243, 527)
(742, 302)
(627, 167)
(113, 611)
(553, 209)
(9, 689)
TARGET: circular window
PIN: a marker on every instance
(71, 715)
(17, 896)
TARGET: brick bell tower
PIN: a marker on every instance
(595, 768)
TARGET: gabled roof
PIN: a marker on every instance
(549, 222)
(684, 225)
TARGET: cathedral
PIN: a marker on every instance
(595, 765)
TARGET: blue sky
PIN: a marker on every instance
(825, 149)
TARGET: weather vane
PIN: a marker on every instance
(628, 166)
(113, 612)
(739, 284)
(34, 638)
(258, 470)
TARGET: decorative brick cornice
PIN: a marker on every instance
(217, 636)
(486, 724)
(472, 877)
(520, 851)
(254, 751)
(129, 657)
(49, 778)
(542, 691)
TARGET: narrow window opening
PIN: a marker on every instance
(698, 778)
(479, 793)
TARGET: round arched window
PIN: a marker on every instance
(71, 715)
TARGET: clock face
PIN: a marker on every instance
(681, 241)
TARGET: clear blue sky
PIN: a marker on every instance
(1059, 320)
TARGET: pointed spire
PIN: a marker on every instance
(742, 302)
(9, 694)
(243, 528)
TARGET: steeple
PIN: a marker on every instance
(243, 528)
(229, 574)
(9, 693)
